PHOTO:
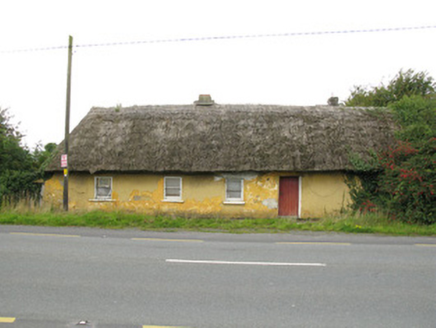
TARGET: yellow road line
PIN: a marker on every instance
(44, 234)
(426, 245)
(7, 320)
(312, 243)
(176, 240)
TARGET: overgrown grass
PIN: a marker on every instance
(370, 223)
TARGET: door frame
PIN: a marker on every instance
(299, 192)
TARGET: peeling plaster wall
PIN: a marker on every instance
(202, 195)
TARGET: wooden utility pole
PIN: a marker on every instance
(67, 124)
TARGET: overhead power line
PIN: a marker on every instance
(225, 37)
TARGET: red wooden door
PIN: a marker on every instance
(288, 196)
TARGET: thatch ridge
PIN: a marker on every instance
(225, 138)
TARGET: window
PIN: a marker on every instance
(235, 190)
(172, 189)
(103, 188)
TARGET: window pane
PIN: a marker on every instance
(234, 188)
(234, 185)
(103, 188)
(172, 192)
(172, 182)
(173, 187)
(234, 194)
(104, 182)
(103, 192)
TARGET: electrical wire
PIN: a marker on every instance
(225, 37)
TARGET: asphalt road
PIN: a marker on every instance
(57, 277)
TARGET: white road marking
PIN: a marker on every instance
(245, 263)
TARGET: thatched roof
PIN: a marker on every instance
(224, 138)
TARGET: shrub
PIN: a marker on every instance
(409, 180)
(402, 180)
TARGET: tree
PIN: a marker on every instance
(12, 155)
(19, 168)
(42, 155)
(402, 180)
(406, 83)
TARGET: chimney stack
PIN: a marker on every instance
(333, 101)
(204, 100)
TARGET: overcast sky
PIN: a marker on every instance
(288, 69)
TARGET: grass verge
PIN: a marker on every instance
(370, 223)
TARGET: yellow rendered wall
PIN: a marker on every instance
(323, 193)
(202, 195)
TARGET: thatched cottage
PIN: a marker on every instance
(208, 159)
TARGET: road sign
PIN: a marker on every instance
(64, 160)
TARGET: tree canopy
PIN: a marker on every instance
(408, 83)
(19, 167)
(402, 181)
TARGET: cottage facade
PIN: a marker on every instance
(208, 159)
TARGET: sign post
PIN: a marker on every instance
(67, 125)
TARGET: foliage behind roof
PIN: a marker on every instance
(225, 138)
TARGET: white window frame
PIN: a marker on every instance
(300, 194)
(176, 199)
(102, 198)
(235, 200)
